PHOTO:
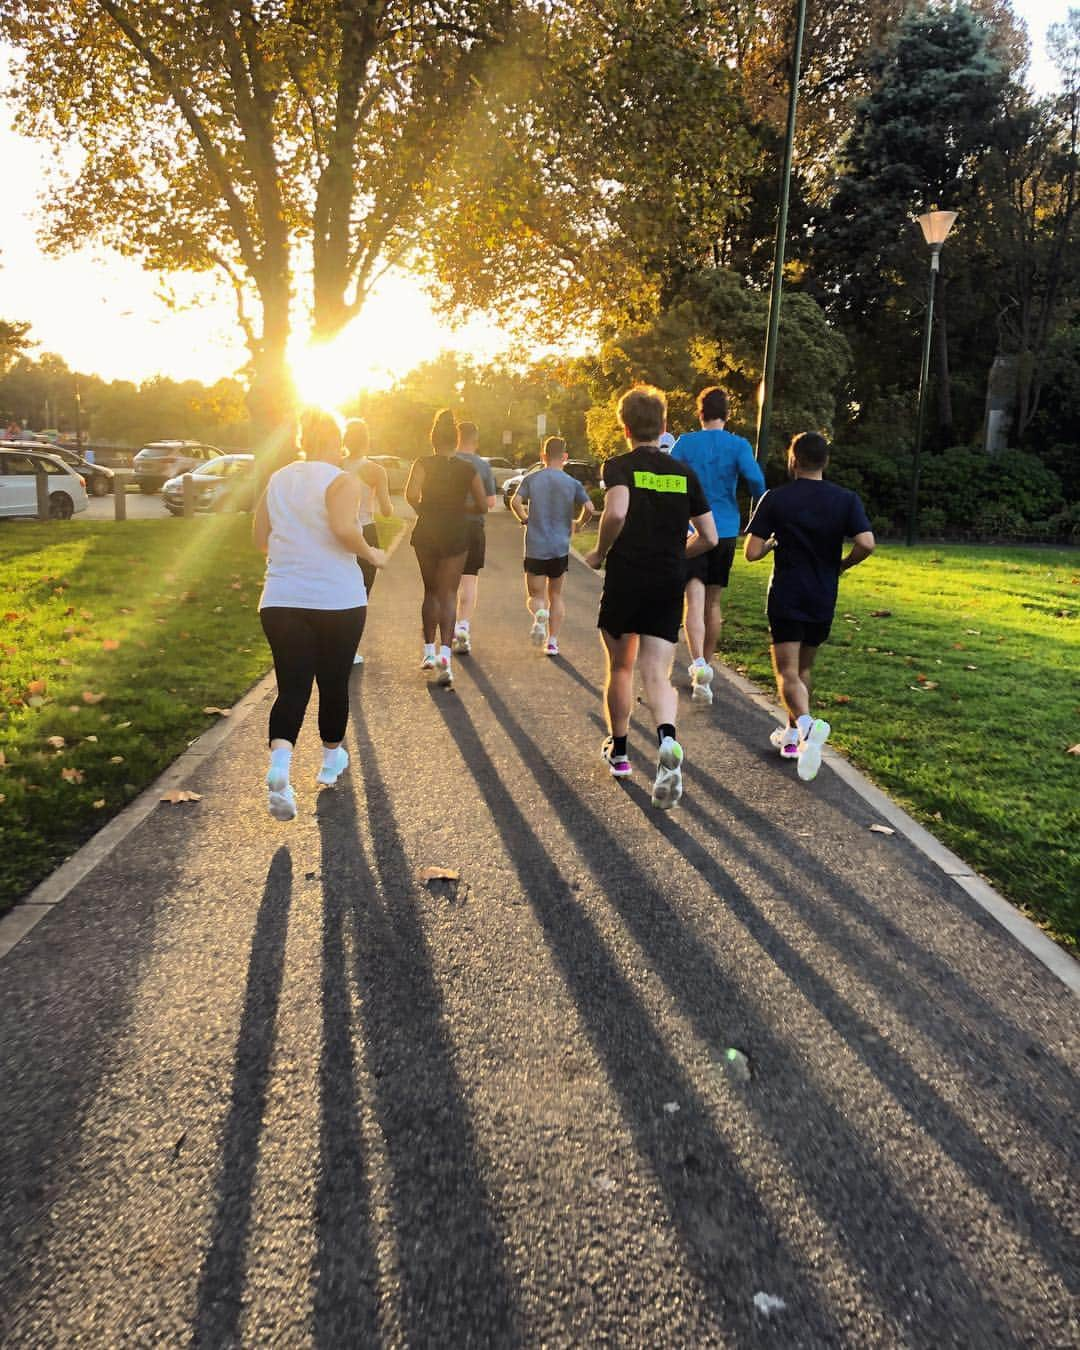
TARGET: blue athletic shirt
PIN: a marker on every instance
(720, 459)
(811, 519)
(483, 468)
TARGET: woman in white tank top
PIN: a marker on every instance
(314, 601)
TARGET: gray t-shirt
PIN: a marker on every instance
(483, 468)
(554, 500)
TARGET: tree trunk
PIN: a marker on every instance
(945, 412)
(272, 396)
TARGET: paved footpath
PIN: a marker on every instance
(262, 1085)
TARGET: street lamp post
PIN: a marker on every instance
(935, 226)
(765, 397)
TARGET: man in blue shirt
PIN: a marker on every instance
(720, 460)
(468, 444)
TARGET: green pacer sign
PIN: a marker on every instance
(659, 482)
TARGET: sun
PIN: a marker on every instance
(331, 374)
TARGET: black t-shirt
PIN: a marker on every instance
(664, 495)
(811, 519)
(447, 484)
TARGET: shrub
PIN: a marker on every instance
(932, 522)
(997, 494)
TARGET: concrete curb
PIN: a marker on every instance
(19, 921)
(1028, 934)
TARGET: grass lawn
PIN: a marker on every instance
(115, 638)
(962, 701)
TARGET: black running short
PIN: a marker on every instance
(474, 559)
(714, 566)
(797, 630)
(371, 534)
(441, 538)
(547, 567)
(633, 602)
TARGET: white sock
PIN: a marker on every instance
(444, 654)
(281, 758)
(463, 625)
(330, 753)
(429, 649)
(804, 723)
(700, 662)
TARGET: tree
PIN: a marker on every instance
(264, 138)
(14, 340)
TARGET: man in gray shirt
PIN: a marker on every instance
(547, 503)
(468, 444)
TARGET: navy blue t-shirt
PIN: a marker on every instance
(811, 519)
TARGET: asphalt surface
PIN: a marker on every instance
(260, 1084)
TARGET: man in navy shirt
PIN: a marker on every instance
(804, 524)
(720, 459)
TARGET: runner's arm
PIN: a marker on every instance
(613, 518)
(480, 498)
(260, 525)
(517, 502)
(342, 506)
(756, 547)
(414, 488)
(861, 547)
(376, 478)
(750, 470)
(705, 536)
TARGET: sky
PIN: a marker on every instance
(103, 314)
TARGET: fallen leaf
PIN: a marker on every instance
(881, 613)
(72, 775)
(12, 617)
(85, 614)
(3, 760)
(122, 726)
(1073, 750)
(181, 795)
(36, 687)
(89, 697)
(69, 632)
(109, 645)
(116, 759)
(841, 698)
(99, 803)
(92, 739)
(881, 829)
(220, 712)
(3, 799)
(971, 667)
(217, 609)
(57, 742)
(439, 874)
(767, 1304)
(237, 586)
(35, 701)
(671, 1107)
(973, 632)
(63, 661)
(604, 1183)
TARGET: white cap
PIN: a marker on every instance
(667, 440)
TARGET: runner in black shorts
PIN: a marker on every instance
(649, 502)
(806, 523)
(374, 494)
(439, 490)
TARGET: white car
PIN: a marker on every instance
(18, 484)
(501, 468)
(225, 484)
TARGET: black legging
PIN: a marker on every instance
(312, 644)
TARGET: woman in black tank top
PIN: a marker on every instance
(442, 490)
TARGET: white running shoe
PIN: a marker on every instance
(358, 659)
(334, 765)
(539, 630)
(786, 740)
(427, 662)
(552, 648)
(810, 750)
(667, 788)
(618, 765)
(462, 641)
(446, 675)
(281, 799)
(701, 678)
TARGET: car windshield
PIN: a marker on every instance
(160, 451)
(217, 468)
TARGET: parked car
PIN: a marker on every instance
(99, 479)
(501, 468)
(18, 484)
(162, 460)
(584, 470)
(397, 470)
(225, 484)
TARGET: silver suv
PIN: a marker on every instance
(161, 460)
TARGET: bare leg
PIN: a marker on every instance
(556, 605)
(468, 588)
(535, 592)
(694, 618)
(788, 664)
(654, 663)
(713, 618)
(429, 609)
(448, 577)
(619, 689)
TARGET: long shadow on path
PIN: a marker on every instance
(731, 1241)
(837, 1168)
(224, 1269)
(450, 1264)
